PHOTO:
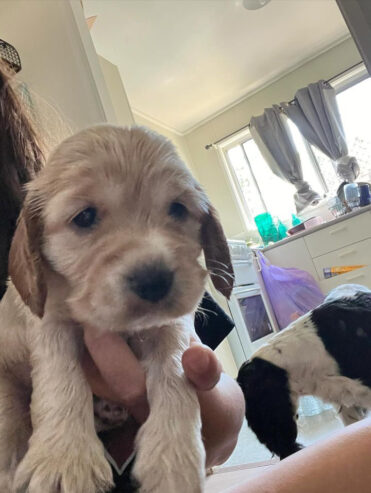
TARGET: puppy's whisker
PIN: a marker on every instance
(202, 316)
(223, 271)
(220, 276)
(218, 262)
(205, 311)
(214, 274)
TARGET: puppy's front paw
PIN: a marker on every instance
(169, 464)
(80, 468)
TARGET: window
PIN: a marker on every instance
(260, 190)
(355, 110)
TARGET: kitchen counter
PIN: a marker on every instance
(317, 228)
(342, 242)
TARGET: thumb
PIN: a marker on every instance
(201, 366)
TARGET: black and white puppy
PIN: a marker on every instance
(326, 353)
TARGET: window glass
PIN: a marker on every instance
(355, 110)
(278, 195)
(244, 178)
(263, 191)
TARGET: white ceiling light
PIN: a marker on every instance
(254, 4)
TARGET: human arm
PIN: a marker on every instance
(338, 464)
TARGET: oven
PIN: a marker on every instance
(249, 305)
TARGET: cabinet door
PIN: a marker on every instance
(339, 235)
(292, 254)
(355, 254)
(359, 276)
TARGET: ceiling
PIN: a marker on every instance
(183, 61)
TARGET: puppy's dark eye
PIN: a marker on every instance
(178, 211)
(86, 218)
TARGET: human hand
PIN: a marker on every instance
(115, 374)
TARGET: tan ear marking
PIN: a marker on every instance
(25, 262)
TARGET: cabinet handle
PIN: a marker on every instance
(338, 230)
(345, 254)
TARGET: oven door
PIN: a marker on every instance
(253, 323)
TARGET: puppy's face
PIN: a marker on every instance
(123, 223)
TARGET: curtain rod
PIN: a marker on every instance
(209, 146)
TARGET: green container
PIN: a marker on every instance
(266, 227)
(282, 230)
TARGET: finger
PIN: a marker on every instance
(98, 385)
(121, 370)
(201, 366)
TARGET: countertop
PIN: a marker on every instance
(306, 232)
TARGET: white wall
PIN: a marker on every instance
(116, 90)
(58, 58)
(178, 140)
(225, 356)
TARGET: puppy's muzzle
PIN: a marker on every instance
(151, 282)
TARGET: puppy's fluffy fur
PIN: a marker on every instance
(325, 353)
(64, 276)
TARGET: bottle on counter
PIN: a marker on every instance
(364, 194)
(282, 230)
(351, 195)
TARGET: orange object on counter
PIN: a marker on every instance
(329, 272)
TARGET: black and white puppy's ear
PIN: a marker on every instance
(216, 251)
(269, 410)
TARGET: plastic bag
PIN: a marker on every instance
(292, 292)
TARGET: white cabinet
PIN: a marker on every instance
(292, 254)
(359, 276)
(354, 254)
(340, 234)
(342, 242)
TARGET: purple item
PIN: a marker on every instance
(292, 292)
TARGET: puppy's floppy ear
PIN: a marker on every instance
(25, 262)
(216, 251)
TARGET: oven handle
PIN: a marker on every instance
(257, 259)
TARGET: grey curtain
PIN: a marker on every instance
(273, 137)
(316, 114)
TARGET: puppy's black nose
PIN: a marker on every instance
(151, 282)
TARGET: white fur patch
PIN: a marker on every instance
(311, 369)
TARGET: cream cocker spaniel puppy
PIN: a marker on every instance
(110, 236)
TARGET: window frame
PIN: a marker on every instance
(346, 80)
